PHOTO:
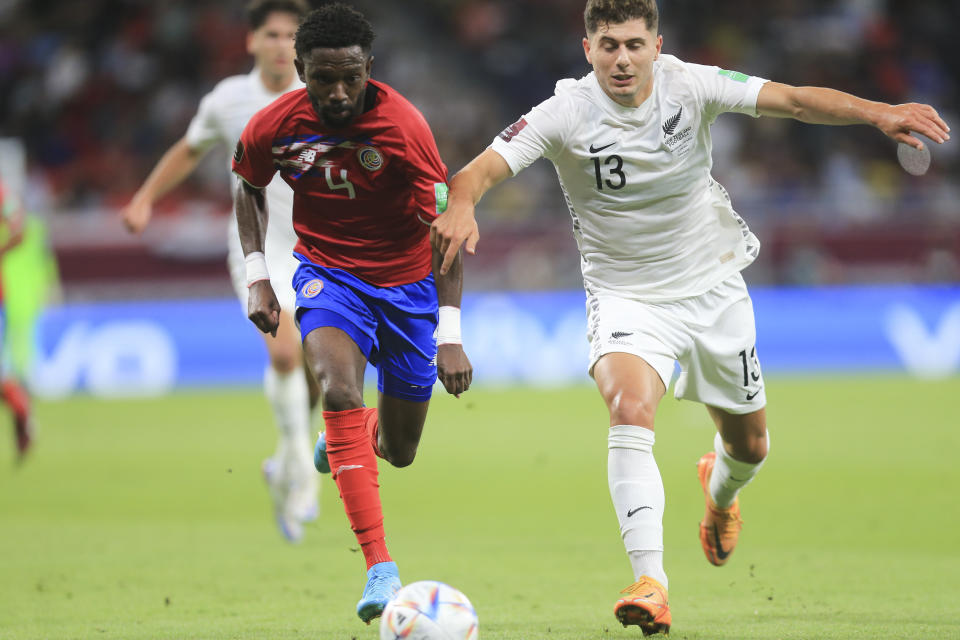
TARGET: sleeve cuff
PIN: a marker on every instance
(252, 184)
(513, 162)
(753, 91)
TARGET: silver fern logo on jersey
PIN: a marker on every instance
(678, 142)
(369, 158)
(670, 124)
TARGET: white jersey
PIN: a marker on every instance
(650, 221)
(221, 118)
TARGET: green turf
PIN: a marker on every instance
(148, 519)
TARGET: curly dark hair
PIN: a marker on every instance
(334, 26)
(258, 10)
(606, 12)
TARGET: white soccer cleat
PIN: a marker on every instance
(303, 497)
(289, 520)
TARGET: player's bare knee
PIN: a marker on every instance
(314, 391)
(751, 448)
(284, 361)
(758, 447)
(631, 408)
(401, 456)
(340, 396)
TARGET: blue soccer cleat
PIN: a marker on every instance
(320, 460)
(383, 582)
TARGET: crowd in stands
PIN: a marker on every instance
(99, 89)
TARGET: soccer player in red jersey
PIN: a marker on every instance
(11, 391)
(368, 181)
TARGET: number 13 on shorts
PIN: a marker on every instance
(752, 379)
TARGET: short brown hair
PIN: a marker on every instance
(259, 10)
(606, 12)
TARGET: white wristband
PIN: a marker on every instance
(448, 329)
(256, 268)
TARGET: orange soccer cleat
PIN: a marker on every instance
(645, 605)
(720, 528)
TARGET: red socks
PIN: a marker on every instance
(353, 464)
(371, 422)
(16, 397)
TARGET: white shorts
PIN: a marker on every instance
(712, 336)
(281, 265)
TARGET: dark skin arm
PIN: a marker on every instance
(263, 309)
(453, 367)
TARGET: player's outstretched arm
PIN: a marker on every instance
(458, 225)
(453, 367)
(176, 164)
(818, 105)
(263, 309)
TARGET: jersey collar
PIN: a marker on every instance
(638, 115)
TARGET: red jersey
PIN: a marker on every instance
(364, 194)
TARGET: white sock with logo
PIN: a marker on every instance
(730, 476)
(290, 400)
(637, 492)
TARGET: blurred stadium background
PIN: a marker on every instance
(92, 93)
(137, 525)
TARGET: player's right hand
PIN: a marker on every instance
(456, 227)
(263, 309)
(136, 215)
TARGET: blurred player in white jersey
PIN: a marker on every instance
(661, 254)
(220, 119)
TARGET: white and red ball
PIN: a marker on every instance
(429, 610)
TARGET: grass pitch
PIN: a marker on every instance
(148, 519)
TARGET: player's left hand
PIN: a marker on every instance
(455, 228)
(454, 369)
(902, 120)
(263, 308)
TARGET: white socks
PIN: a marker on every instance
(637, 492)
(290, 400)
(729, 475)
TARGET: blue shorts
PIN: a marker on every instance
(395, 327)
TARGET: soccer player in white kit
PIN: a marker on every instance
(220, 119)
(661, 254)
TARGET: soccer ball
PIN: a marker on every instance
(429, 610)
